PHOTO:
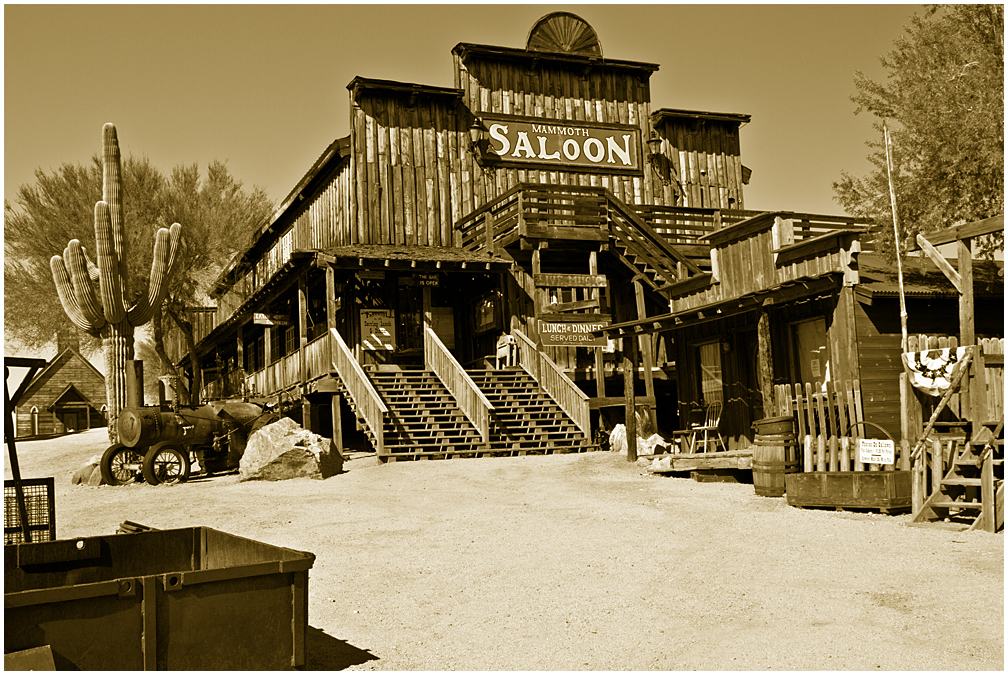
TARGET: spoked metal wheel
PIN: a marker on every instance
(120, 465)
(166, 463)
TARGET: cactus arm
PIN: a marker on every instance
(83, 288)
(108, 265)
(112, 195)
(165, 249)
(92, 269)
(67, 298)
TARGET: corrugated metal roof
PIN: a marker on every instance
(922, 278)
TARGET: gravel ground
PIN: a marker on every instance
(580, 562)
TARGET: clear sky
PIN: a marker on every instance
(264, 87)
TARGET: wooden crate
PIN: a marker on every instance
(885, 490)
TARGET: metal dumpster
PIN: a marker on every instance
(185, 599)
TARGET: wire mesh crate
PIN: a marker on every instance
(40, 504)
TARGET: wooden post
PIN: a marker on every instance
(966, 335)
(306, 421)
(599, 355)
(629, 396)
(645, 347)
(987, 491)
(764, 362)
(336, 403)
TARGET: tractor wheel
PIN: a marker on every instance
(166, 463)
(120, 465)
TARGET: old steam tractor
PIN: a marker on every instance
(157, 443)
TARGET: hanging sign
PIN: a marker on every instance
(564, 143)
(378, 329)
(261, 319)
(872, 451)
(572, 333)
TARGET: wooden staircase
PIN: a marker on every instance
(424, 422)
(526, 420)
(423, 419)
(971, 494)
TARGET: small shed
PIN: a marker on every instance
(67, 395)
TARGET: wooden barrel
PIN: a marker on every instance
(773, 457)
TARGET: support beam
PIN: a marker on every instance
(629, 396)
(966, 334)
(599, 354)
(764, 362)
(306, 420)
(939, 260)
(645, 345)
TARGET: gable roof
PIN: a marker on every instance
(53, 366)
(66, 390)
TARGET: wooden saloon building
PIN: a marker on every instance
(503, 222)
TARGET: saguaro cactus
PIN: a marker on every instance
(108, 313)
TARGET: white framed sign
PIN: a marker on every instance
(378, 329)
(872, 451)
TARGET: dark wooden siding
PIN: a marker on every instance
(705, 156)
(410, 167)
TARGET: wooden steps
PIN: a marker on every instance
(425, 423)
(526, 421)
(971, 493)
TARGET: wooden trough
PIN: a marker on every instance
(884, 490)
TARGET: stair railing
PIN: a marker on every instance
(473, 403)
(552, 379)
(359, 387)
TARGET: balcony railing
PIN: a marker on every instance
(554, 381)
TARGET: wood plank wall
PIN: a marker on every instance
(321, 219)
(411, 168)
(557, 92)
(706, 158)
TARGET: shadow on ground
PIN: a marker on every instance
(328, 653)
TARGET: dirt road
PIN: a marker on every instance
(581, 562)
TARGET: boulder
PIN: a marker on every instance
(283, 450)
(95, 479)
(81, 475)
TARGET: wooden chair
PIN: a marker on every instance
(705, 433)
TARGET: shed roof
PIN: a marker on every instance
(922, 278)
(675, 113)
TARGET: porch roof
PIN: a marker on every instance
(782, 294)
(61, 398)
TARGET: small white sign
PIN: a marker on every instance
(872, 451)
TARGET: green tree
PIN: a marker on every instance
(218, 212)
(944, 103)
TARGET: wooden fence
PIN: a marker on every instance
(828, 425)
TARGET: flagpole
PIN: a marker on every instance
(899, 262)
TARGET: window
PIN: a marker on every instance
(812, 352)
(34, 421)
(711, 385)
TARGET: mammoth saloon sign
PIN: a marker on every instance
(564, 144)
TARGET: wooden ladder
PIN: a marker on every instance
(972, 492)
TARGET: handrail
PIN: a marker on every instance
(359, 387)
(554, 382)
(473, 403)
